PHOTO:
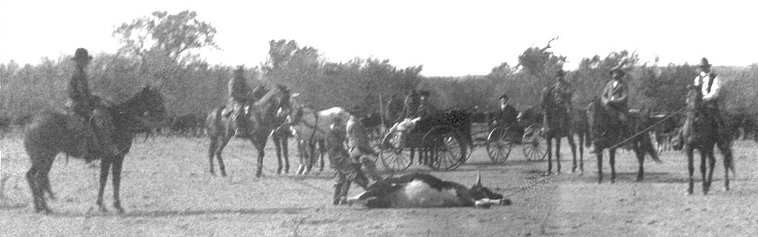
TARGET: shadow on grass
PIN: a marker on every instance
(171, 213)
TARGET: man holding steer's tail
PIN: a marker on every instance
(346, 170)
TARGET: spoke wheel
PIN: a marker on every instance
(534, 145)
(446, 149)
(394, 155)
(499, 145)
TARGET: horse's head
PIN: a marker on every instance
(147, 107)
(694, 98)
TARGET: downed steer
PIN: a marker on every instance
(425, 190)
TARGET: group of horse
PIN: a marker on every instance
(279, 114)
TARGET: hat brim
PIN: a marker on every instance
(88, 58)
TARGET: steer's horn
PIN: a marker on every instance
(478, 178)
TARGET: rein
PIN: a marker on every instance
(648, 128)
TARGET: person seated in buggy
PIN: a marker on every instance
(506, 116)
(423, 110)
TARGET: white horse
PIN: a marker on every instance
(309, 127)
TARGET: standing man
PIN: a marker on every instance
(346, 170)
(97, 123)
(359, 149)
(240, 96)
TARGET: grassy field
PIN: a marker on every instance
(168, 191)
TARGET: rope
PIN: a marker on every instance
(646, 129)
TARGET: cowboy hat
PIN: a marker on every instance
(81, 54)
(704, 63)
(617, 69)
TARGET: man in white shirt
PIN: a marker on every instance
(710, 85)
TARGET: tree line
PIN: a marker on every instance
(162, 50)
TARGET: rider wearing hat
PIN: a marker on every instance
(240, 95)
(710, 86)
(615, 95)
(97, 123)
(425, 108)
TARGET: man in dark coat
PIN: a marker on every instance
(240, 96)
(96, 125)
(506, 115)
(557, 99)
(615, 95)
(425, 107)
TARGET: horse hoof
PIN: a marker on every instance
(726, 189)
(102, 209)
(119, 209)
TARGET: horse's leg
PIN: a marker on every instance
(285, 150)
(105, 166)
(260, 144)
(570, 140)
(549, 141)
(116, 180)
(711, 163)
(640, 153)
(211, 152)
(31, 178)
(44, 178)
(581, 152)
(558, 153)
(726, 150)
(612, 162)
(703, 169)
(690, 169)
(278, 147)
(322, 153)
(224, 141)
(302, 154)
(599, 155)
(727, 165)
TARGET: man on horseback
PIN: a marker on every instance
(96, 123)
(710, 85)
(558, 99)
(614, 99)
(615, 95)
(240, 96)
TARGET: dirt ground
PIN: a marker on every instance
(168, 191)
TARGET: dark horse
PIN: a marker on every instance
(261, 118)
(700, 132)
(50, 134)
(606, 133)
(556, 124)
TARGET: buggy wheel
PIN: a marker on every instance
(445, 148)
(499, 144)
(394, 155)
(533, 142)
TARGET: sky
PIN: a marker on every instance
(449, 38)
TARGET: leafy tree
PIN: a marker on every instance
(172, 36)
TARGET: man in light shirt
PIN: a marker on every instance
(710, 86)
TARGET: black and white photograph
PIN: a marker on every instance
(378, 118)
